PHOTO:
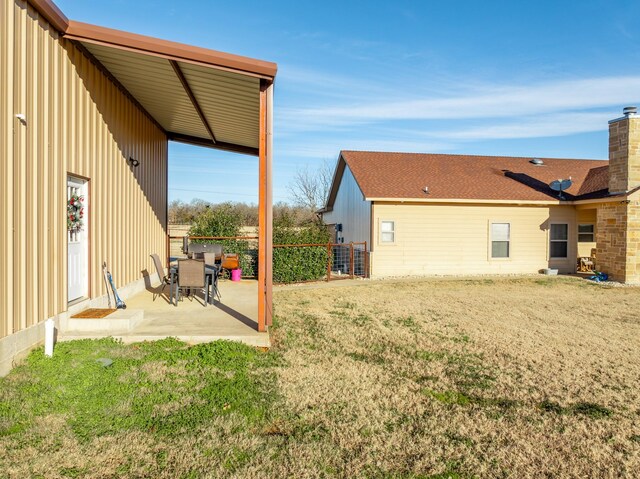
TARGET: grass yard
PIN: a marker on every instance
(533, 377)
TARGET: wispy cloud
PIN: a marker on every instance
(314, 83)
(328, 149)
(507, 101)
(539, 126)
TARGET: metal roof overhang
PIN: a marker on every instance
(197, 96)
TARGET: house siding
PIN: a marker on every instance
(454, 239)
(77, 122)
(587, 216)
(351, 210)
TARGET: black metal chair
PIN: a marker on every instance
(210, 260)
(197, 250)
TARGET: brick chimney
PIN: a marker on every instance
(624, 151)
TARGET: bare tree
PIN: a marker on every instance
(309, 188)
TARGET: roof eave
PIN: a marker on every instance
(466, 201)
(607, 199)
(51, 13)
(85, 32)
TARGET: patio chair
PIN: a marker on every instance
(164, 278)
(191, 275)
(586, 264)
(197, 249)
(210, 260)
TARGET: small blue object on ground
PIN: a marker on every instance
(599, 276)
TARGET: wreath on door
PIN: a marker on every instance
(75, 213)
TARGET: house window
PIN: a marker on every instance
(559, 241)
(387, 232)
(586, 233)
(500, 238)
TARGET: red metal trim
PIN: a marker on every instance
(173, 50)
(366, 261)
(317, 244)
(351, 260)
(51, 13)
(216, 237)
(328, 262)
(194, 140)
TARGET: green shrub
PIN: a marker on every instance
(223, 221)
(218, 221)
(303, 263)
(290, 265)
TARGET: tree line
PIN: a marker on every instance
(181, 212)
(308, 190)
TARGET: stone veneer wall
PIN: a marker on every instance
(624, 154)
(611, 244)
(633, 242)
(618, 241)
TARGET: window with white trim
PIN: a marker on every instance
(586, 233)
(500, 240)
(387, 231)
(559, 240)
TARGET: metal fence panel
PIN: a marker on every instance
(342, 261)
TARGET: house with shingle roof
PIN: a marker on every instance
(438, 214)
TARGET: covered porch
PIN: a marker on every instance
(149, 316)
(207, 99)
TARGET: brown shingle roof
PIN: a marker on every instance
(404, 176)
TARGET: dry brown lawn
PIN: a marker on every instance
(480, 378)
(459, 378)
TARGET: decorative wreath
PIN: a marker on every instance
(75, 212)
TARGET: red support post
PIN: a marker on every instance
(262, 210)
(351, 268)
(366, 261)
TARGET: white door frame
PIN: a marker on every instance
(78, 244)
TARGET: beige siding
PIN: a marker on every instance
(586, 216)
(351, 210)
(77, 122)
(454, 239)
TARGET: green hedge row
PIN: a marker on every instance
(290, 264)
(293, 264)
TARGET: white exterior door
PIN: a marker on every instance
(77, 239)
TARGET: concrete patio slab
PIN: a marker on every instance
(234, 318)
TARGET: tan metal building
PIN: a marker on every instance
(86, 113)
(425, 214)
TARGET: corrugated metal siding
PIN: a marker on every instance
(351, 210)
(454, 239)
(164, 98)
(79, 123)
(230, 101)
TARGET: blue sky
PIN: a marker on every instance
(494, 77)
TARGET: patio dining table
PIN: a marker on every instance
(211, 278)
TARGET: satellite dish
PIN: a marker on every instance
(560, 186)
